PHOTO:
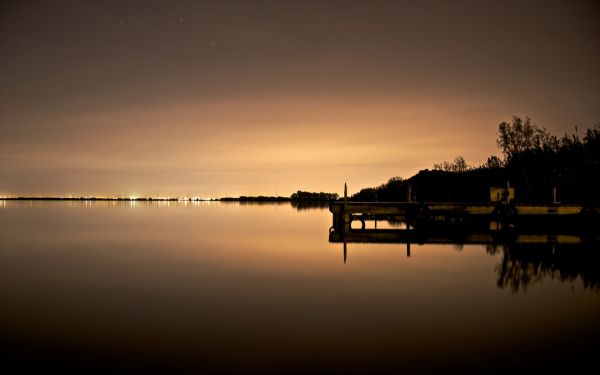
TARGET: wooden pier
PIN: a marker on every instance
(415, 214)
(494, 223)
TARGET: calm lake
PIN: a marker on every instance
(178, 287)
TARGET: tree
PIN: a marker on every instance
(310, 196)
(493, 162)
(459, 165)
(521, 136)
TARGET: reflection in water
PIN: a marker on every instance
(222, 287)
(298, 205)
(523, 265)
(310, 205)
(529, 253)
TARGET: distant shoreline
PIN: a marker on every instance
(299, 196)
(259, 199)
(104, 199)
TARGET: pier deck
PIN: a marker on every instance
(406, 208)
(496, 223)
(423, 214)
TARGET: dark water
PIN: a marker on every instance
(174, 287)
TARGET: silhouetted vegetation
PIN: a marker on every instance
(459, 165)
(535, 162)
(570, 164)
(299, 196)
(314, 197)
(521, 266)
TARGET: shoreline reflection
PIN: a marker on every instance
(529, 254)
(525, 265)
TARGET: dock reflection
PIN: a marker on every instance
(528, 254)
(524, 265)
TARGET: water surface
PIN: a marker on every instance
(172, 286)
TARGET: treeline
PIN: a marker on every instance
(299, 196)
(259, 198)
(535, 163)
(436, 186)
(313, 197)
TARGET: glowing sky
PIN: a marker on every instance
(268, 97)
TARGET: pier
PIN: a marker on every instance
(424, 213)
(495, 223)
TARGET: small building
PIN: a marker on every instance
(502, 194)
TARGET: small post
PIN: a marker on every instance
(408, 198)
(408, 249)
(345, 216)
(554, 195)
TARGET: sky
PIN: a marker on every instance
(227, 98)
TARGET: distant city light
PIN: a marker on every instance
(100, 197)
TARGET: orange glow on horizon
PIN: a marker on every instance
(354, 93)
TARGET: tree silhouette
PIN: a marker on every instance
(459, 165)
(493, 162)
(521, 136)
(541, 167)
